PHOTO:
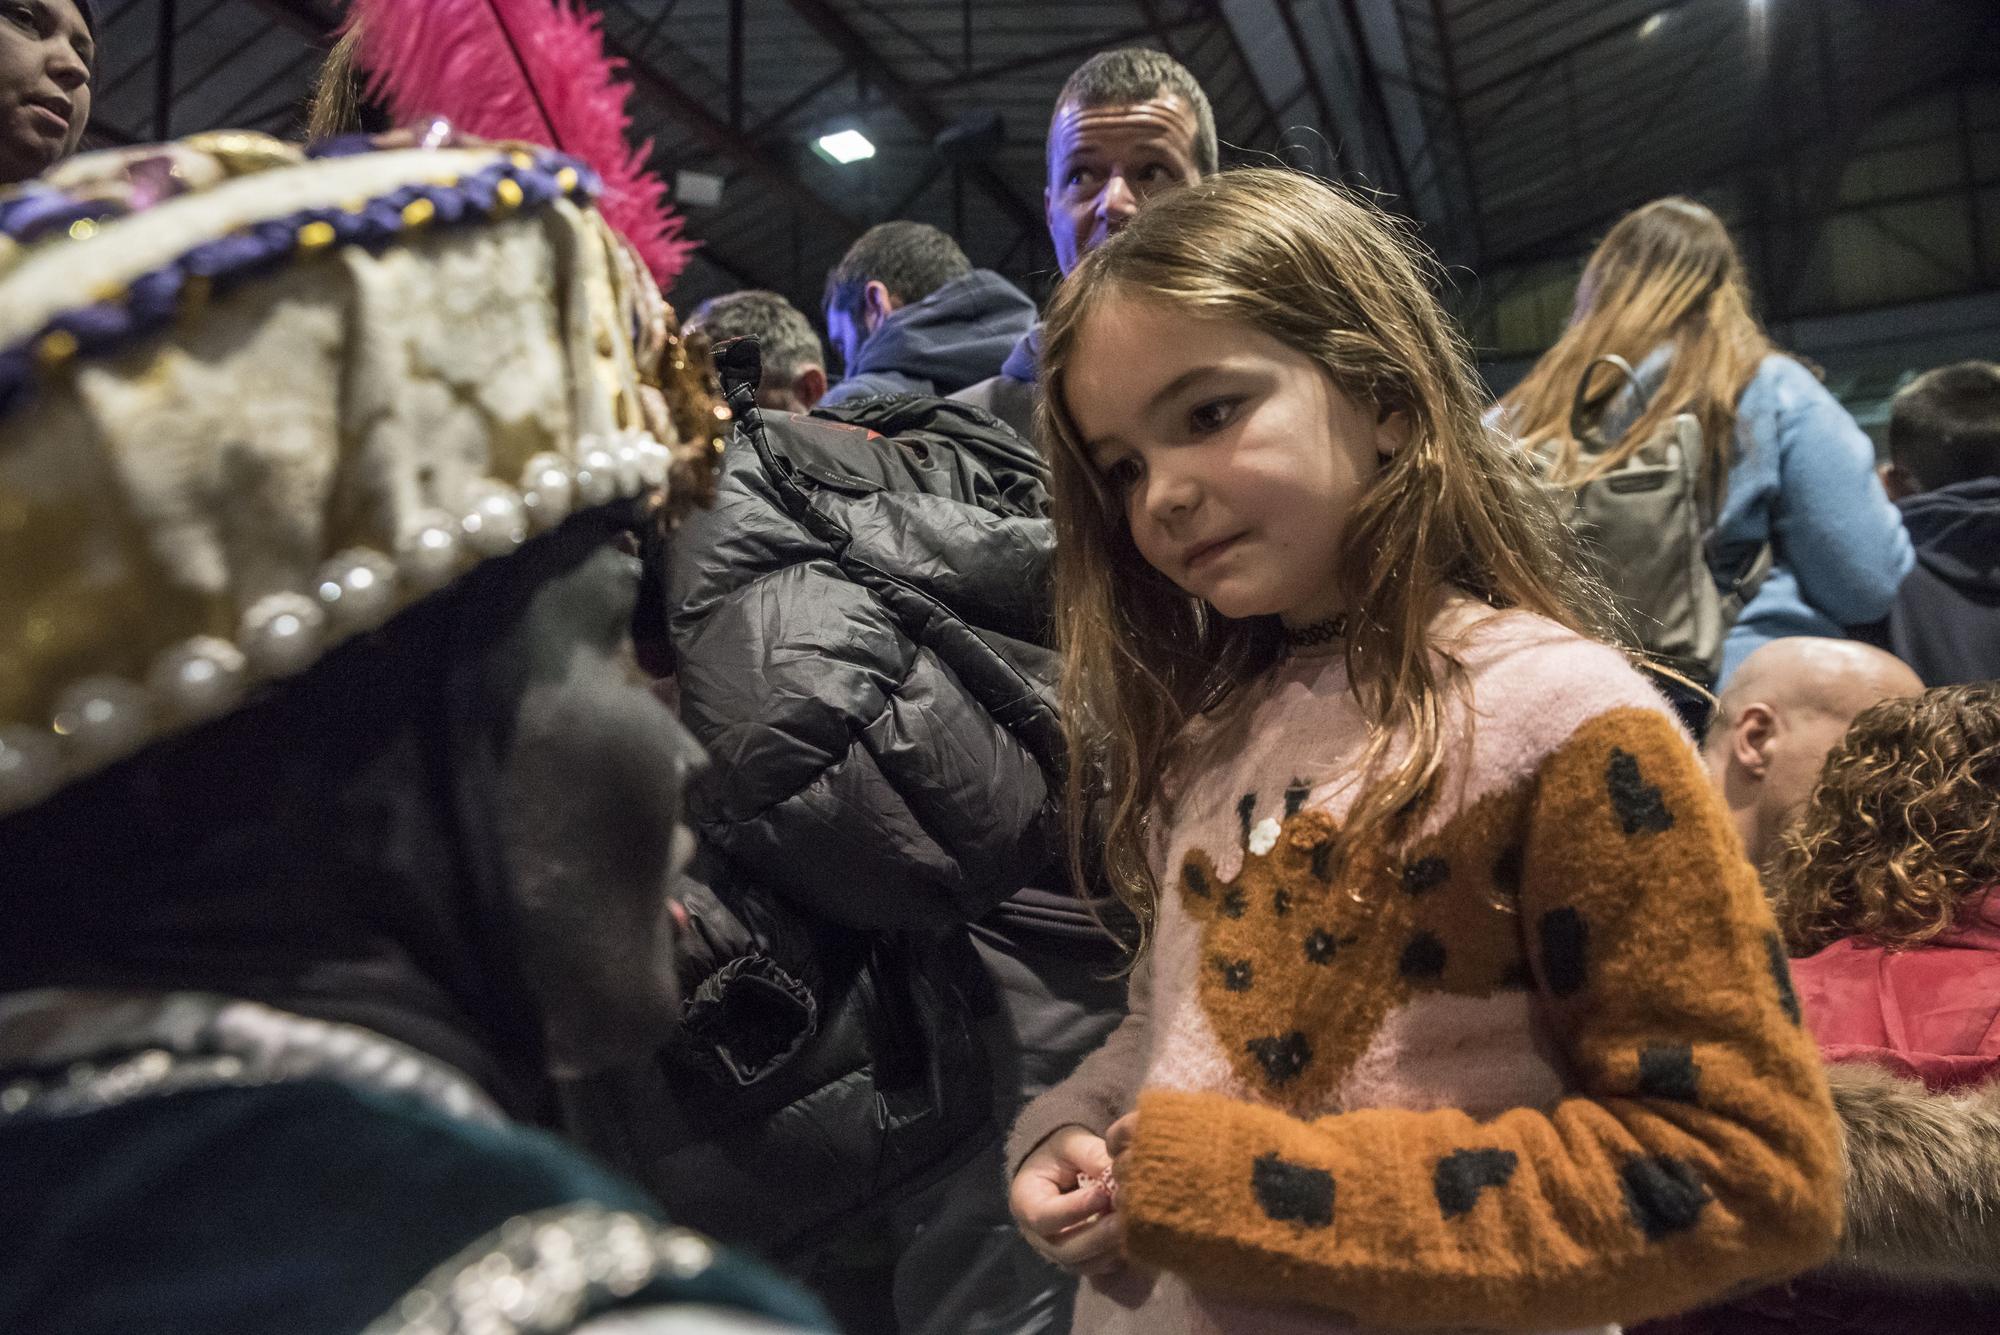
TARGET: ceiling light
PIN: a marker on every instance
(702, 190)
(1652, 25)
(845, 146)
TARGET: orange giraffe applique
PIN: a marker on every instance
(1301, 960)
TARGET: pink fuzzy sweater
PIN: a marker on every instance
(1536, 1067)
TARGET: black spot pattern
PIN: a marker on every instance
(1781, 974)
(1246, 807)
(1507, 869)
(1663, 1195)
(1281, 902)
(1292, 1192)
(1196, 881)
(1282, 1056)
(1667, 1071)
(1463, 1174)
(1423, 958)
(1322, 860)
(1565, 938)
(1233, 902)
(1320, 947)
(1426, 874)
(1236, 974)
(1295, 797)
(1640, 808)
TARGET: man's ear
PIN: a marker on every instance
(1899, 481)
(876, 303)
(1750, 738)
(809, 386)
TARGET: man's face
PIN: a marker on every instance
(1105, 163)
(46, 56)
(846, 333)
(590, 775)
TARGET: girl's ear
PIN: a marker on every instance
(1392, 431)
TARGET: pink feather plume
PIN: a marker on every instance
(523, 69)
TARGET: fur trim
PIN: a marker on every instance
(1923, 1182)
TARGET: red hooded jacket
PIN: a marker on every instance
(1929, 1012)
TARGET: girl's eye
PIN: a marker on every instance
(23, 17)
(1212, 416)
(1121, 475)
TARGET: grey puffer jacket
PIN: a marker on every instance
(860, 633)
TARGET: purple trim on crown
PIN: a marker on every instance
(152, 301)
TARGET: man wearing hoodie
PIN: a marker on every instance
(1944, 474)
(910, 315)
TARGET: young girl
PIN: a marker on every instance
(1459, 1005)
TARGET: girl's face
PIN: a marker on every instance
(1235, 457)
(45, 64)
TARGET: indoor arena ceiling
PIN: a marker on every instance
(1854, 143)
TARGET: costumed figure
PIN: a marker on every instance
(338, 818)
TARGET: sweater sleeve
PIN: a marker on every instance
(1102, 1087)
(1835, 527)
(1694, 1150)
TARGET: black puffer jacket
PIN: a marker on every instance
(859, 628)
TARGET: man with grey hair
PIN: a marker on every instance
(1128, 125)
(793, 379)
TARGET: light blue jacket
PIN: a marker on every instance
(1804, 480)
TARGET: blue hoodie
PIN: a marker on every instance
(957, 336)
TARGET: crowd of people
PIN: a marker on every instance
(1172, 812)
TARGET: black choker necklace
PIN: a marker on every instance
(1319, 632)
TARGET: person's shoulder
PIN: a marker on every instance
(1783, 382)
(1538, 680)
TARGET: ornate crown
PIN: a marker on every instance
(254, 400)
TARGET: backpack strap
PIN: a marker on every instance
(1589, 444)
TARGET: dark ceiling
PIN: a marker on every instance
(1855, 144)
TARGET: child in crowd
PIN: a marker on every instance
(1888, 878)
(1458, 1004)
(1944, 473)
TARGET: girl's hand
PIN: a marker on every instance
(1062, 1207)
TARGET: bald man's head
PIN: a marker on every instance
(1780, 713)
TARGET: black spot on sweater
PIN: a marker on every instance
(1292, 1192)
(1663, 1195)
(1640, 807)
(1283, 1056)
(1461, 1175)
(1565, 941)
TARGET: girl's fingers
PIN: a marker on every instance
(1045, 1209)
(1089, 1244)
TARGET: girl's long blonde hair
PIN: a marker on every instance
(1457, 507)
(1667, 272)
(1901, 833)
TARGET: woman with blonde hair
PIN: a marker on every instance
(1783, 462)
(1459, 1005)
